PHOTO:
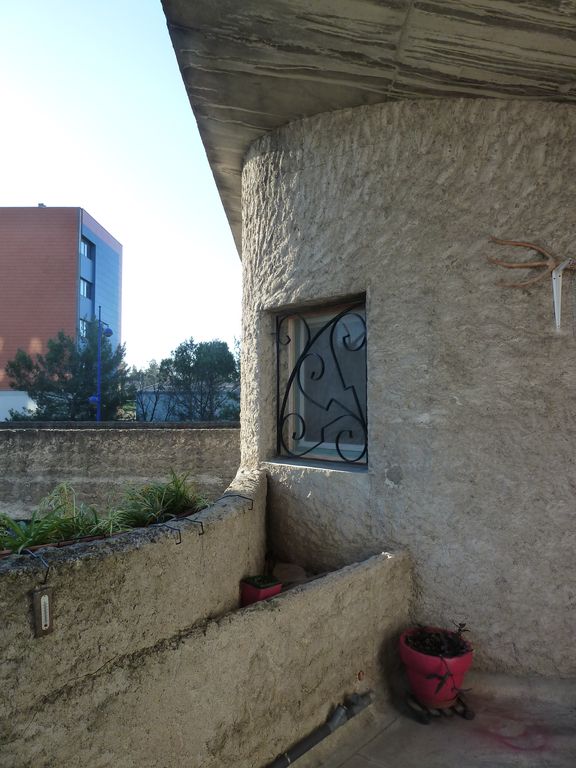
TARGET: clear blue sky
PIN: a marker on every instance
(95, 114)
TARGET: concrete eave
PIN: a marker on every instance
(251, 66)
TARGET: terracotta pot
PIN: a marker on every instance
(435, 681)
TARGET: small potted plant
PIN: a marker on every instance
(255, 588)
(436, 662)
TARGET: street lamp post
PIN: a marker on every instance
(97, 398)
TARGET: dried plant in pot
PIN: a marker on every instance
(436, 662)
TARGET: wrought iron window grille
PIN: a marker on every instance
(321, 384)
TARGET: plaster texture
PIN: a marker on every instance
(470, 389)
(111, 600)
(235, 691)
(101, 463)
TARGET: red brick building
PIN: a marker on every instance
(57, 266)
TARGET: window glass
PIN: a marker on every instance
(85, 288)
(322, 383)
(86, 248)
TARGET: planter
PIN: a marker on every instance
(436, 681)
(36, 547)
(81, 540)
(257, 588)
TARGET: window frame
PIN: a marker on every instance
(88, 287)
(300, 329)
(86, 248)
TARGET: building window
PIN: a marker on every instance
(321, 383)
(86, 248)
(83, 328)
(86, 288)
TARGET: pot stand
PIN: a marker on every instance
(424, 715)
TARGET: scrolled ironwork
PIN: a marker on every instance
(327, 421)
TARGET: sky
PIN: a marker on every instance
(94, 114)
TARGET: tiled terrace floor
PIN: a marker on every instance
(518, 724)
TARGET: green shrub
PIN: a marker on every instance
(158, 502)
(60, 517)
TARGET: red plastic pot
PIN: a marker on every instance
(426, 673)
(249, 593)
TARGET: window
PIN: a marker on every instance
(86, 248)
(85, 288)
(321, 383)
(83, 327)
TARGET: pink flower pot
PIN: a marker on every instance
(250, 593)
(435, 681)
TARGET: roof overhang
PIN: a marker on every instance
(250, 66)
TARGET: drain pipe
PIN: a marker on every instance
(341, 715)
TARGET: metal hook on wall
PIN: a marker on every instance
(38, 556)
(171, 528)
(238, 496)
(195, 522)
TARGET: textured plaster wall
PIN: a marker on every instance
(234, 691)
(470, 389)
(100, 463)
(113, 673)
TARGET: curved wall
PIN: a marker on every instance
(470, 389)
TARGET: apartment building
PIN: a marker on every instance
(58, 265)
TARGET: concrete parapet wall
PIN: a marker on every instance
(100, 462)
(116, 601)
(132, 676)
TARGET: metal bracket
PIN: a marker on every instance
(171, 528)
(238, 496)
(178, 530)
(195, 522)
(42, 606)
(557, 289)
(37, 556)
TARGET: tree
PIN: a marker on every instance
(198, 382)
(153, 402)
(62, 380)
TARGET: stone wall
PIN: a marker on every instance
(470, 389)
(114, 600)
(100, 462)
(150, 663)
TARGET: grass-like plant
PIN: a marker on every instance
(158, 502)
(60, 517)
(17, 535)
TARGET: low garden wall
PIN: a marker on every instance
(133, 596)
(151, 664)
(100, 461)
